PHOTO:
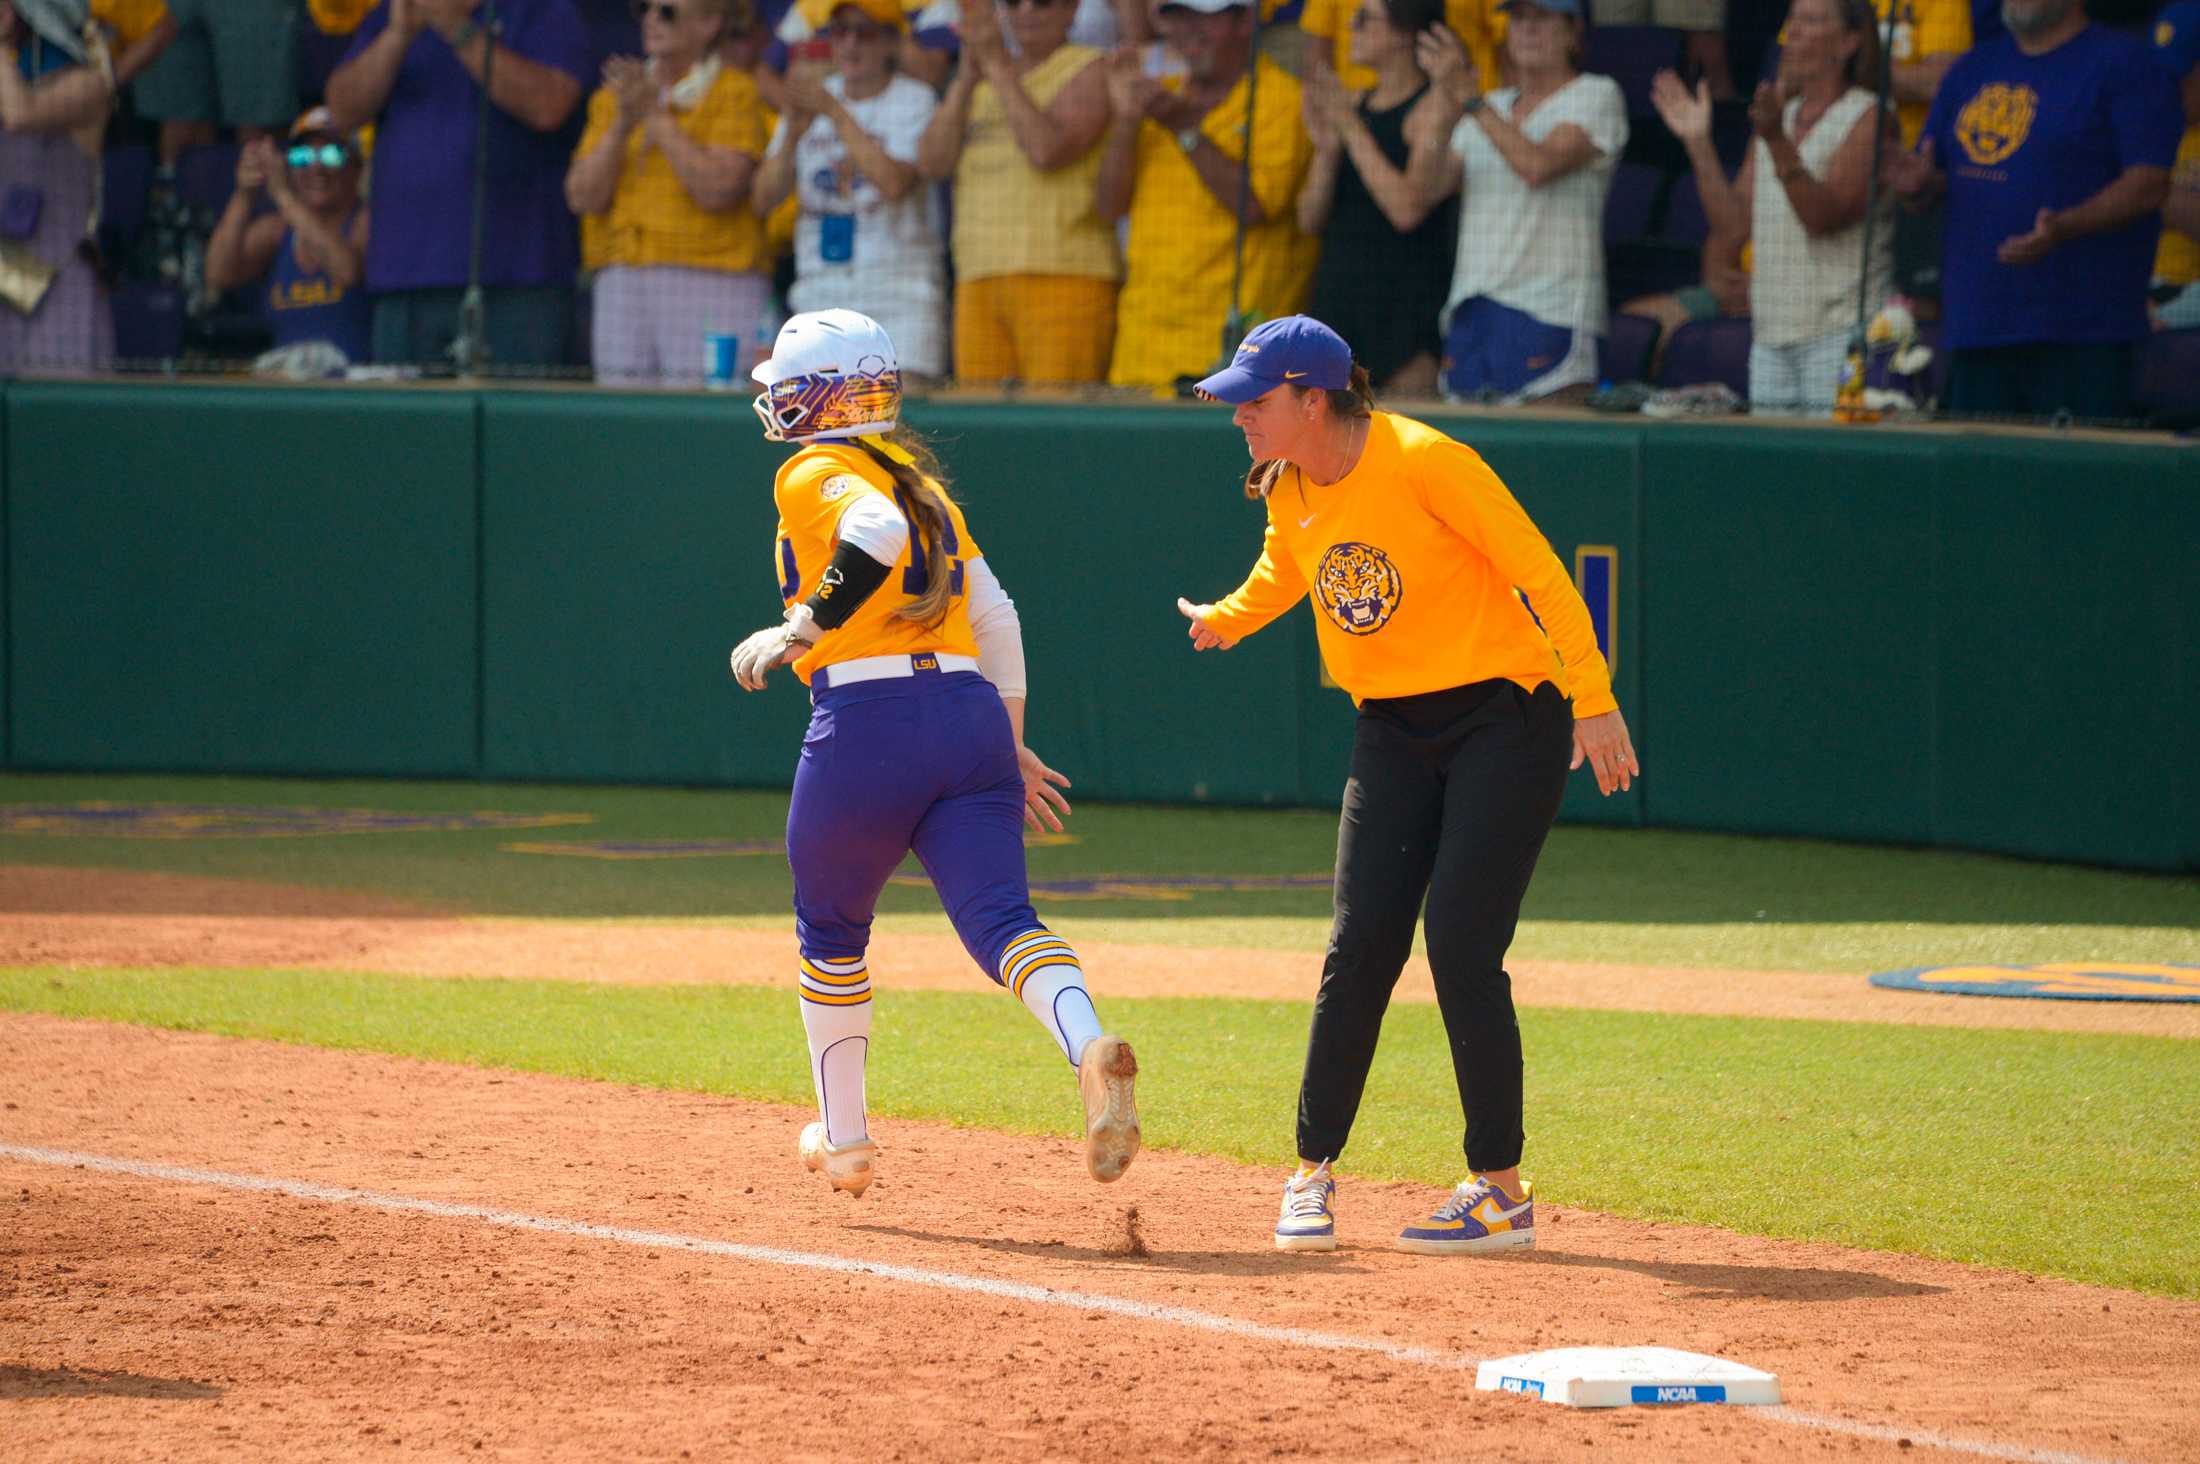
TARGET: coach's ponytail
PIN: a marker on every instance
(923, 484)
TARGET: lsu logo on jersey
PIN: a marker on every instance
(1359, 587)
(1995, 122)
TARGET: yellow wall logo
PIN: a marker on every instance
(1994, 123)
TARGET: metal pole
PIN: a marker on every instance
(1880, 110)
(1233, 324)
(471, 348)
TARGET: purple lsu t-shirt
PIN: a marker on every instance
(421, 220)
(2017, 134)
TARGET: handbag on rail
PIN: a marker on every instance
(24, 277)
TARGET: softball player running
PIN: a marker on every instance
(915, 664)
(1417, 558)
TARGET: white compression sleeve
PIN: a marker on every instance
(875, 526)
(999, 633)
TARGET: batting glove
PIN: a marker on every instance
(775, 645)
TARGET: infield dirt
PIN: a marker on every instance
(150, 1318)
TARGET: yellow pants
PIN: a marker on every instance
(1051, 329)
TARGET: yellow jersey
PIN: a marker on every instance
(2177, 259)
(1479, 24)
(813, 489)
(1180, 246)
(1425, 574)
(653, 219)
(130, 21)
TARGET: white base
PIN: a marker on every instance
(1608, 1377)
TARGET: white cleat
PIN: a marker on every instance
(1105, 1078)
(848, 1167)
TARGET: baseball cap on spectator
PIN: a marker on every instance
(59, 23)
(316, 124)
(2177, 37)
(1295, 349)
(1206, 7)
(888, 13)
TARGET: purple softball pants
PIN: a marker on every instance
(923, 763)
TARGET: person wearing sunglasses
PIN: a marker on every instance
(1175, 165)
(55, 96)
(416, 70)
(870, 235)
(311, 247)
(1035, 268)
(671, 147)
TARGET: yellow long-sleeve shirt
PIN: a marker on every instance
(1412, 561)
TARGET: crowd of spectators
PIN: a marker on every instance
(1066, 192)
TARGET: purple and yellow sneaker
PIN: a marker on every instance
(1478, 1217)
(1309, 1218)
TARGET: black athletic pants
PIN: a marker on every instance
(1451, 795)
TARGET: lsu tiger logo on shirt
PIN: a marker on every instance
(1995, 122)
(1358, 587)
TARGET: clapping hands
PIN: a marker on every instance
(632, 87)
(1131, 92)
(1443, 58)
(1687, 113)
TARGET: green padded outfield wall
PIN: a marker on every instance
(232, 579)
(1970, 639)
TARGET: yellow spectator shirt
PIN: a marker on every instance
(1479, 24)
(130, 21)
(1412, 561)
(1178, 256)
(813, 489)
(1012, 219)
(2177, 260)
(653, 219)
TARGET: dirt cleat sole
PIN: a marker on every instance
(1107, 1077)
(848, 1167)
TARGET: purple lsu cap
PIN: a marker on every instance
(1296, 349)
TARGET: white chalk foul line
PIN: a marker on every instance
(1144, 1311)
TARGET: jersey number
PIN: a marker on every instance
(916, 576)
(790, 578)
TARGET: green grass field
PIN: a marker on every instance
(1979, 1146)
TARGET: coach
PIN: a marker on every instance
(1470, 701)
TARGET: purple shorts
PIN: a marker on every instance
(923, 763)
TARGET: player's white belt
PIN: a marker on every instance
(878, 668)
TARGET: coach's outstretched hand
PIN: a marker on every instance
(1203, 639)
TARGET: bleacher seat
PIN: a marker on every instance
(148, 324)
(1685, 221)
(1709, 350)
(1623, 352)
(206, 176)
(1631, 55)
(127, 186)
(1629, 205)
(2166, 377)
